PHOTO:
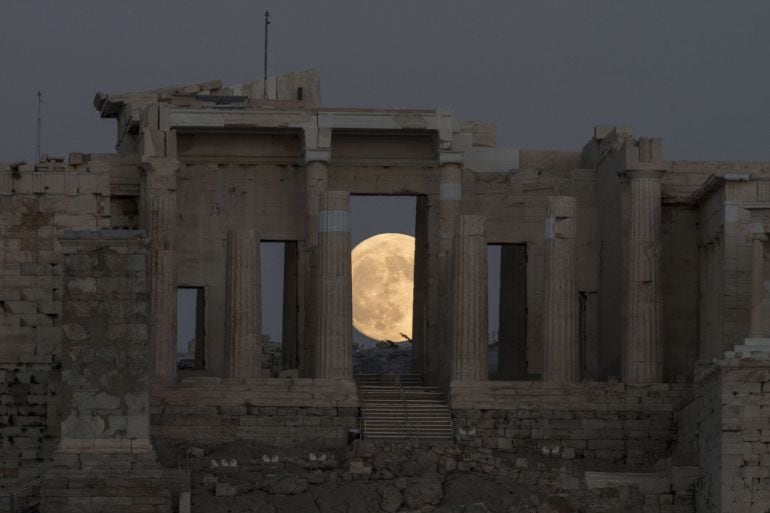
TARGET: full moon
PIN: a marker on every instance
(383, 286)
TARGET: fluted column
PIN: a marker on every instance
(334, 344)
(642, 362)
(758, 239)
(316, 183)
(450, 197)
(468, 333)
(512, 355)
(243, 305)
(160, 219)
(561, 351)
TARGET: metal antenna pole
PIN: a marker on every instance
(39, 135)
(267, 23)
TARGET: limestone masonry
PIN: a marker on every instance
(633, 370)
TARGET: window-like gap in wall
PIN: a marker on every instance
(272, 299)
(124, 212)
(299, 93)
(190, 334)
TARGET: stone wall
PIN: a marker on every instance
(29, 422)
(424, 476)
(633, 425)
(733, 436)
(37, 204)
(281, 412)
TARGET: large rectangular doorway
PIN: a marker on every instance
(383, 334)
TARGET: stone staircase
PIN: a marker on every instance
(398, 406)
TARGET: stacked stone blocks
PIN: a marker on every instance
(104, 460)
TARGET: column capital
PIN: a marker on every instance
(160, 165)
(758, 232)
(450, 157)
(160, 172)
(318, 155)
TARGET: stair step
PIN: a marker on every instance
(397, 407)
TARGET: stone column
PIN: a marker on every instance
(450, 197)
(290, 306)
(316, 183)
(334, 344)
(758, 239)
(561, 349)
(161, 220)
(512, 356)
(642, 362)
(421, 272)
(468, 334)
(243, 305)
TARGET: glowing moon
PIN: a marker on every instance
(383, 286)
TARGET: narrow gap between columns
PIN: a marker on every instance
(191, 333)
(272, 260)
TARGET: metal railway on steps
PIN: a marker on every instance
(400, 406)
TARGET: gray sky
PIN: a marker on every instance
(694, 72)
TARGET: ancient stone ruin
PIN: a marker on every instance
(633, 370)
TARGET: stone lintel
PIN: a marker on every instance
(642, 170)
(736, 177)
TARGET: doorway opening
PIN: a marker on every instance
(389, 282)
(507, 299)
(190, 333)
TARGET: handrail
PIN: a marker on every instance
(15, 493)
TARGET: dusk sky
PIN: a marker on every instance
(695, 72)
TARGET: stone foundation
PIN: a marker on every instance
(630, 424)
(426, 477)
(732, 435)
(281, 412)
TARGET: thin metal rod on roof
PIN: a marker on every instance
(39, 134)
(267, 22)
